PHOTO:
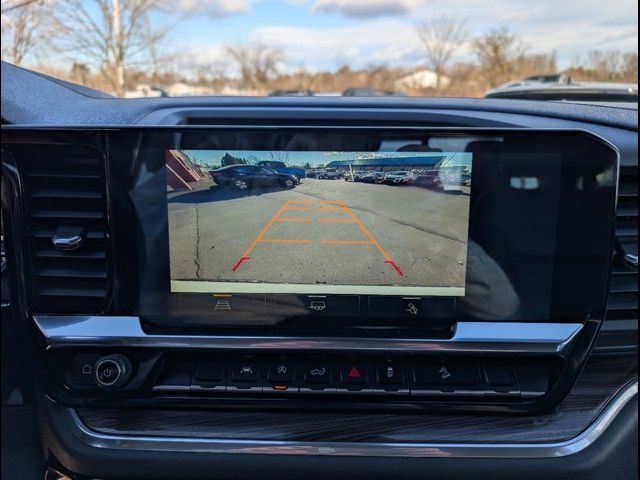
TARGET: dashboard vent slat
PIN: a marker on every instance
(66, 214)
(623, 284)
(64, 190)
(620, 329)
(61, 193)
(69, 254)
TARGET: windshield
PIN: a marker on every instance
(155, 48)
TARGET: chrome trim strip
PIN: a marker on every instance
(477, 337)
(455, 450)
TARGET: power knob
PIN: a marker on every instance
(112, 371)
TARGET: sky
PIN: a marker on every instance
(325, 34)
(213, 157)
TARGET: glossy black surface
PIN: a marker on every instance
(558, 272)
(602, 377)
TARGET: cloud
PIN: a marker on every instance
(391, 41)
(215, 8)
(354, 45)
(367, 8)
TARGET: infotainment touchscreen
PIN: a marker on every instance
(387, 231)
(318, 222)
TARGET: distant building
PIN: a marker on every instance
(181, 171)
(416, 164)
(421, 79)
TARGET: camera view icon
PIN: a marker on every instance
(317, 305)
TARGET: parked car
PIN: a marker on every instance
(246, 177)
(373, 177)
(399, 177)
(430, 179)
(292, 93)
(281, 167)
(330, 174)
(354, 176)
(447, 179)
(457, 176)
(370, 92)
(624, 95)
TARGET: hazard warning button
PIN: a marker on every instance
(354, 374)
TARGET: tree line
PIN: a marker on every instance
(114, 45)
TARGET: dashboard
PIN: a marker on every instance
(432, 283)
(446, 237)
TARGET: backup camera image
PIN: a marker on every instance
(376, 223)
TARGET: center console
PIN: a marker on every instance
(305, 267)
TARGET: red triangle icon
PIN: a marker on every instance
(354, 373)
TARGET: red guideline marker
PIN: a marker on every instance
(395, 267)
(235, 267)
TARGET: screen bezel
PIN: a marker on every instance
(543, 141)
(136, 273)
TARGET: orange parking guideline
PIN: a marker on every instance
(335, 220)
(294, 219)
(300, 209)
(333, 205)
(265, 230)
(366, 232)
(284, 240)
(346, 242)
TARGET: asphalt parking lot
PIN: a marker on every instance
(321, 231)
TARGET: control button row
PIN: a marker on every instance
(428, 377)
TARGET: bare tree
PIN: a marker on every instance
(80, 72)
(111, 34)
(257, 63)
(279, 156)
(24, 27)
(500, 55)
(630, 67)
(441, 38)
(606, 64)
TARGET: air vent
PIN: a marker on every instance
(64, 188)
(620, 329)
